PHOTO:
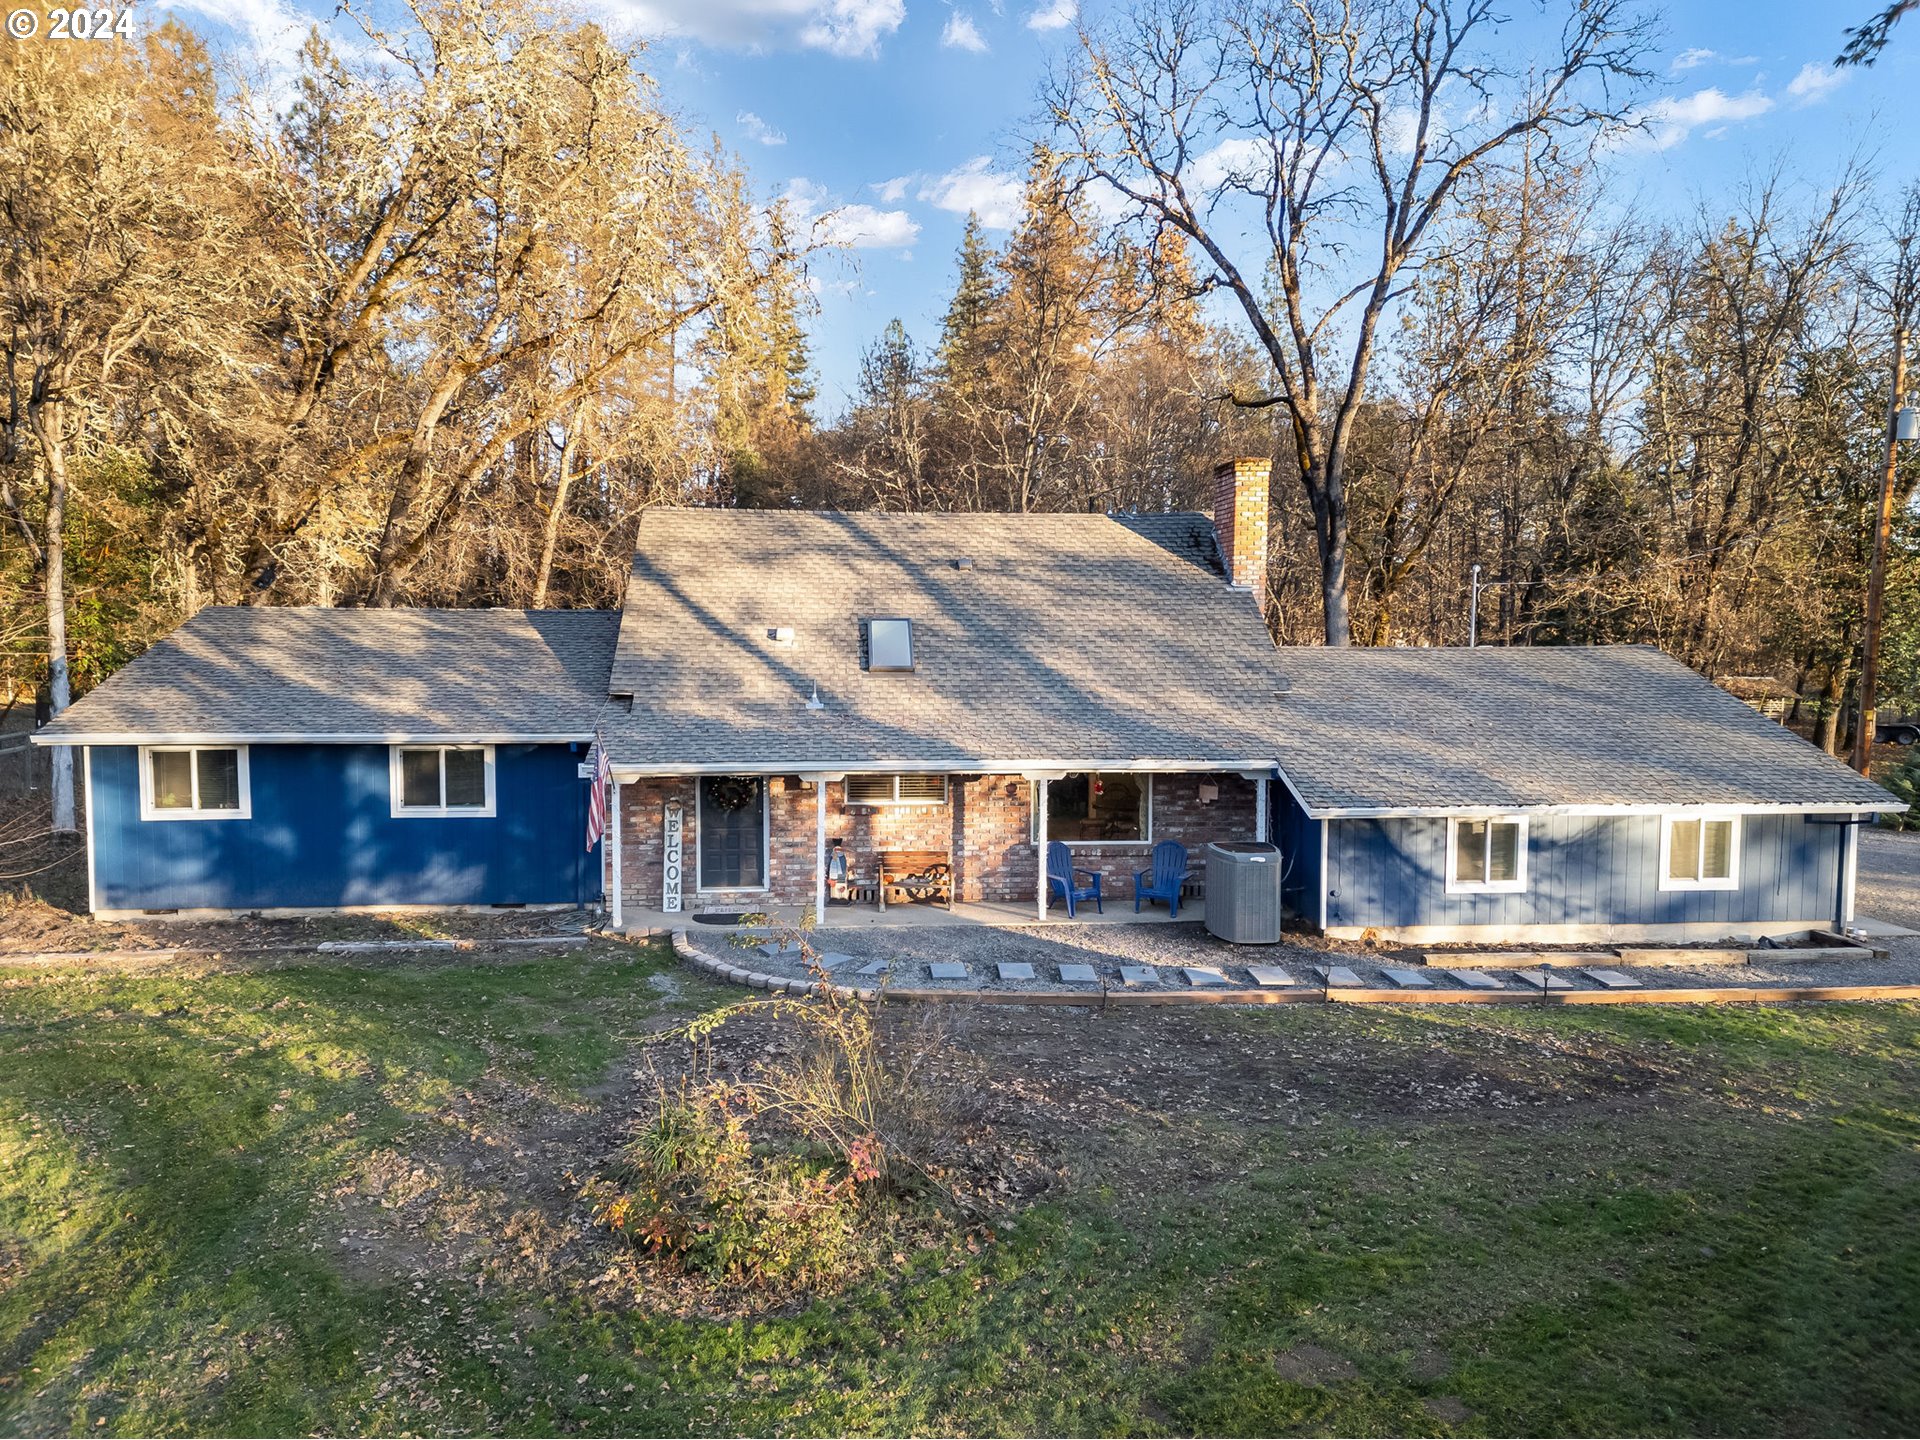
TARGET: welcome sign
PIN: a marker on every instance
(670, 859)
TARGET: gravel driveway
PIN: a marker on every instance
(1889, 887)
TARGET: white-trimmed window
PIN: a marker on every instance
(1699, 852)
(1486, 854)
(450, 780)
(1103, 807)
(195, 782)
(878, 790)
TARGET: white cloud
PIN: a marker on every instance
(1669, 121)
(1244, 161)
(962, 34)
(1054, 15)
(758, 129)
(865, 228)
(976, 186)
(860, 227)
(892, 191)
(1694, 58)
(274, 32)
(1815, 82)
(843, 27)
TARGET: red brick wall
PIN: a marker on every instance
(985, 823)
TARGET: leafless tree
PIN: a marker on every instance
(1337, 134)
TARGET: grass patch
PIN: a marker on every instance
(1441, 1221)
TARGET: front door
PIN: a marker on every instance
(733, 832)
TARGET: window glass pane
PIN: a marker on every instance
(467, 779)
(869, 789)
(420, 778)
(1503, 859)
(1683, 851)
(1097, 807)
(172, 779)
(1067, 807)
(889, 645)
(926, 789)
(219, 779)
(1470, 851)
(1716, 862)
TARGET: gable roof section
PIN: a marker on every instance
(1089, 640)
(1392, 730)
(265, 673)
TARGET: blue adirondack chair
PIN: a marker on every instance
(1164, 880)
(1060, 876)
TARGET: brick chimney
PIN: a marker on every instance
(1240, 521)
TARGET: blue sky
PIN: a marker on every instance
(906, 113)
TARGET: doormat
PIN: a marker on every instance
(719, 917)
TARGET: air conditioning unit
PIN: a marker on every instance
(1243, 891)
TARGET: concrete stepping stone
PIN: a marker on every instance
(1015, 970)
(831, 960)
(1203, 975)
(1410, 979)
(1338, 976)
(1478, 980)
(874, 967)
(1540, 980)
(1139, 975)
(778, 950)
(947, 970)
(1612, 979)
(1079, 975)
(1270, 977)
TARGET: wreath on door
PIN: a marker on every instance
(732, 792)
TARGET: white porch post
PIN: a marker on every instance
(819, 850)
(617, 915)
(1040, 846)
(1260, 809)
(1850, 859)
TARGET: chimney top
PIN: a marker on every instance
(1240, 512)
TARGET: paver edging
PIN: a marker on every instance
(1303, 995)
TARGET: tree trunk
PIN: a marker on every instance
(1329, 500)
(49, 430)
(551, 538)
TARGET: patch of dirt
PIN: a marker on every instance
(1449, 1409)
(1429, 1364)
(1307, 1364)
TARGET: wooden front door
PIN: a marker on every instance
(733, 832)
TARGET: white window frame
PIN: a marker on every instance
(148, 811)
(1514, 886)
(396, 787)
(1731, 881)
(1033, 814)
(896, 803)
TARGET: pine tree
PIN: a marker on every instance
(964, 341)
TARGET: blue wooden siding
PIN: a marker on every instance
(1298, 836)
(1581, 870)
(322, 834)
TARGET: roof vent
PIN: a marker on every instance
(965, 562)
(889, 645)
(780, 634)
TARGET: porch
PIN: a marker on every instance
(648, 920)
(683, 845)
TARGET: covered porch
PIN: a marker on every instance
(683, 846)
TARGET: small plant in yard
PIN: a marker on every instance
(766, 1179)
(1904, 782)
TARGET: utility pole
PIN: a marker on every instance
(1898, 420)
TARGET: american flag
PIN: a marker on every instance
(597, 801)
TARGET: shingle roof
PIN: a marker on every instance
(1610, 725)
(1100, 640)
(260, 671)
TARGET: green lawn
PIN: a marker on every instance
(336, 1197)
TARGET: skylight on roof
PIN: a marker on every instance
(889, 645)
